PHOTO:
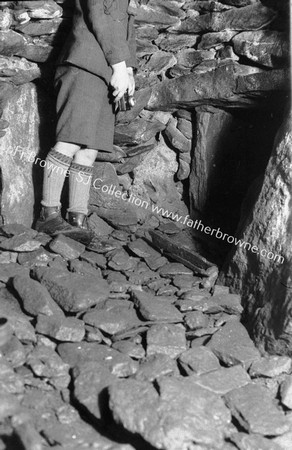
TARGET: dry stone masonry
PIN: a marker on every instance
(132, 342)
(192, 55)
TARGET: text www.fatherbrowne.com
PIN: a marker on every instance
(186, 220)
(198, 225)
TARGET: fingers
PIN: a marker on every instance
(131, 90)
(119, 90)
(118, 96)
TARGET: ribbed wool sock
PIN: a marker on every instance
(55, 172)
(79, 187)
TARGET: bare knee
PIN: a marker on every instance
(85, 156)
(67, 148)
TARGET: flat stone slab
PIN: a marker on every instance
(63, 329)
(18, 320)
(143, 277)
(251, 17)
(118, 363)
(10, 270)
(194, 304)
(230, 303)
(66, 247)
(40, 257)
(156, 366)
(10, 382)
(112, 321)
(180, 246)
(184, 281)
(232, 345)
(130, 348)
(155, 262)
(95, 259)
(90, 382)
(286, 392)
(223, 380)
(84, 268)
(122, 261)
(271, 366)
(178, 417)
(9, 405)
(99, 226)
(166, 338)
(245, 441)
(74, 292)
(195, 293)
(20, 243)
(256, 410)
(46, 363)
(198, 360)
(201, 332)
(8, 257)
(140, 248)
(14, 352)
(16, 229)
(35, 297)
(153, 307)
(196, 319)
(173, 269)
(265, 47)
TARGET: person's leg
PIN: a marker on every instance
(56, 169)
(57, 166)
(79, 185)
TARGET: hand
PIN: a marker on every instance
(120, 80)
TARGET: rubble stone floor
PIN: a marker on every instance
(118, 348)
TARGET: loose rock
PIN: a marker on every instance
(90, 382)
(35, 297)
(270, 366)
(223, 380)
(112, 321)
(119, 364)
(156, 308)
(232, 345)
(256, 411)
(286, 392)
(198, 360)
(180, 415)
(64, 329)
(74, 292)
(167, 339)
(66, 247)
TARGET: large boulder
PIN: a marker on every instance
(265, 47)
(250, 17)
(226, 84)
(260, 264)
(18, 148)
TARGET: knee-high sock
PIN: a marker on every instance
(79, 187)
(55, 172)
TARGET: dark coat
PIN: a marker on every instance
(102, 34)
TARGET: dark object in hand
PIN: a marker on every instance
(124, 104)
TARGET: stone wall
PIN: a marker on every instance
(192, 55)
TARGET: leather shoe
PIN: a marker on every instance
(51, 221)
(79, 228)
(77, 219)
